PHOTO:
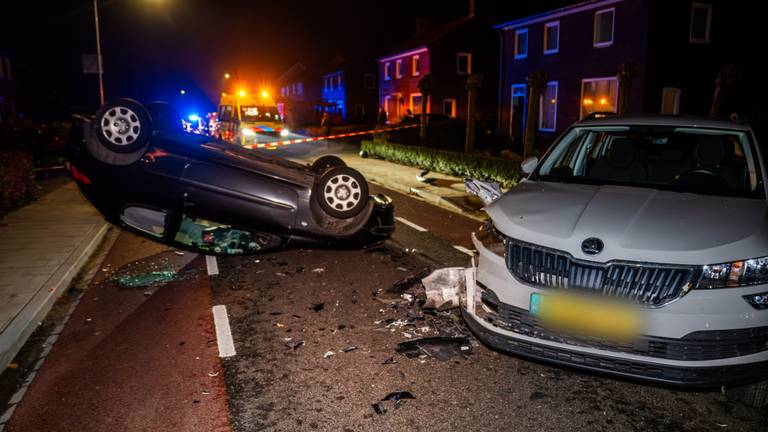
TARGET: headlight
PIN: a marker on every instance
(491, 238)
(247, 132)
(284, 132)
(735, 274)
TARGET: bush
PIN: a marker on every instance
(504, 171)
(16, 180)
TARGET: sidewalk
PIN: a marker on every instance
(42, 247)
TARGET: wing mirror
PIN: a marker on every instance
(488, 192)
(529, 164)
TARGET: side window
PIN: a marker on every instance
(603, 34)
(150, 221)
(212, 237)
(225, 113)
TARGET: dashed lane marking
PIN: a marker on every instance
(212, 265)
(411, 224)
(463, 249)
(223, 332)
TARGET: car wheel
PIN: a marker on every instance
(323, 163)
(755, 395)
(119, 133)
(342, 192)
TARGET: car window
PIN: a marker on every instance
(696, 160)
(260, 113)
(144, 219)
(212, 237)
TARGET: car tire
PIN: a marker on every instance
(755, 395)
(342, 192)
(325, 162)
(119, 133)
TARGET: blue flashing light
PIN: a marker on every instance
(194, 117)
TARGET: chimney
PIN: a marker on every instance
(471, 8)
(422, 24)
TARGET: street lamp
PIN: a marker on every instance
(98, 51)
(226, 76)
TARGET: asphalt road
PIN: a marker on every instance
(145, 358)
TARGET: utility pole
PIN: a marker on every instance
(98, 52)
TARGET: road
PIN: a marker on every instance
(146, 357)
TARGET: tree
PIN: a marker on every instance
(627, 72)
(426, 86)
(536, 82)
(723, 82)
(474, 82)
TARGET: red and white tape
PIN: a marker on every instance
(275, 144)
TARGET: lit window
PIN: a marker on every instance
(604, 27)
(670, 100)
(599, 95)
(387, 76)
(701, 20)
(416, 103)
(552, 37)
(548, 108)
(449, 107)
(387, 102)
(415, 71)
(463, 63)
(521, 43)
(369, 81)
(398, 68)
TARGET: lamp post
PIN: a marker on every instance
(98, 51)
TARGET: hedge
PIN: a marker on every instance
(16, 179)
(504, 171)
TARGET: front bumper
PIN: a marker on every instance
(707, 338)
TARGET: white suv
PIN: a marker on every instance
(638, 246)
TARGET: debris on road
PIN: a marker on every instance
(328, 354)
(348, 349)
(397, 398)
(214, 374)
(319, 270)
(390, 360)
(145, 279)
(443, 287)
(179, 253)
(293, 344)
(317, 307)
(442, 348)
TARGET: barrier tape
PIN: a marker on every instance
(275, 144)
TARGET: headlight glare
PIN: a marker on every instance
(735, 274)
(247, 132)
(284, 132)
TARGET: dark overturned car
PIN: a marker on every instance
(143, 172)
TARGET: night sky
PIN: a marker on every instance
(154, 48)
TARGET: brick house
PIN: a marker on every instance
(349, 87)
(450, 52)
(676, 50)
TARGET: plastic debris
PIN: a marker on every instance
(145, 279)
(397, 398)
(440, 347)
(348, 349)
(390, 360)
(488, 192)
(443, 287)
(318, 270)
(293, 344)
(328, 354)
(213, 374)
(317, 307)
(179, 253)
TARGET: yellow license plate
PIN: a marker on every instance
(584, 316)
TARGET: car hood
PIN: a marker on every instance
(637, 224)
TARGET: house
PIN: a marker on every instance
(350, 90)
(300, 95)
(450, 53)
(671, 53)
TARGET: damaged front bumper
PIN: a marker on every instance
(495, 307)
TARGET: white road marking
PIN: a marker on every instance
(411, 224)
(212, 265)
(223, 332)
(463, 249)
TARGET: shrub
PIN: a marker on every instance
(16, 179)
(504, 171)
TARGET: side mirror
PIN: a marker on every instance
(529, 164)
(488, 192)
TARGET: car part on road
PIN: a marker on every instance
(348, 349)
(488, 192)
(443, 287)
(441, 348)
(325, 162)
(397, 398)
(317, 307)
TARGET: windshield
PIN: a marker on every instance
(696, 160)
(260, 113)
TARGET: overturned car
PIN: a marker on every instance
(144, 173)
(636, 247)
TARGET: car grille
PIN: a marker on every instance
(648, 284)
(696, 346)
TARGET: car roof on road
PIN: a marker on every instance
(664, 120)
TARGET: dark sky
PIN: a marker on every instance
(154, 48)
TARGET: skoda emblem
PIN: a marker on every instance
(592, 246)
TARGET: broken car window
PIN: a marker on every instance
(150, 221)
(208, 236)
